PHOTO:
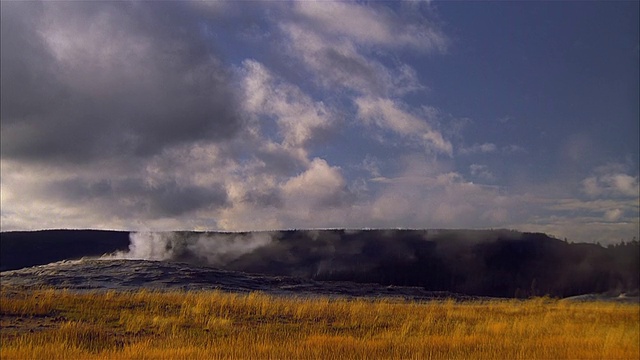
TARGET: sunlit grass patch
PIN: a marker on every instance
(214, 324)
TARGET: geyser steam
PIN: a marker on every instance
(194, 248)
(477, 262)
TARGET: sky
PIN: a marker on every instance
(238, 116)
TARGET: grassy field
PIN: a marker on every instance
(54, 324)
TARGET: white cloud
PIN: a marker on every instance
(479, 148)
(591, 187)
(371, 165)
(607, 216)
(316, 197)
(372, 25)
(361, 23)
(583, 229)
(491, 148)
(388, 114)
(613, 214)
(511, 149)
(319, 183)
(624, 184)
(426, 195)
(616, 184)
(339, 63)
(596, 206)
(506, 119)
(343, 43)
(299, 117)
(482, 172)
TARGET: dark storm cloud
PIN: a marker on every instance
(82, 81)
(26, 85)
(171, 199)
(82, 190)
(168, 198)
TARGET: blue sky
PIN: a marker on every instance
(275, 115)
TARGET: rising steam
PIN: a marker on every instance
(479, 262)
(204, 249)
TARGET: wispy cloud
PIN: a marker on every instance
(372, 25)
(388, 114)
(479, 148)
(298, 117)
(613, 184)
(481, 171)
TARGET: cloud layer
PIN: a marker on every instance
(246, 116)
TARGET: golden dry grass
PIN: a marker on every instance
(53, 324)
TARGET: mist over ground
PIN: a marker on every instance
(475, 262)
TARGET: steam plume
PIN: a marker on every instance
(194, 248)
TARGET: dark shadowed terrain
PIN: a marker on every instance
(413, 263)
(98, 274)
(20, 249)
